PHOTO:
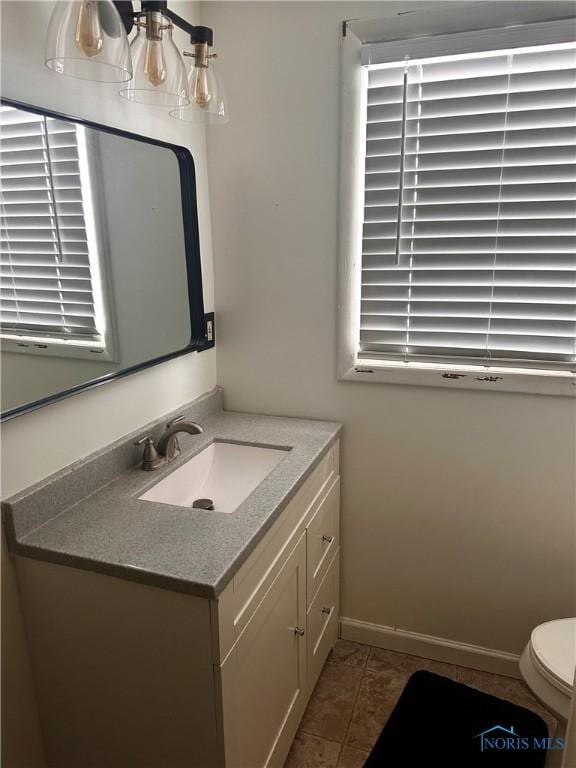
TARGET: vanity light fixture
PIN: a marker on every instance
(88, 39)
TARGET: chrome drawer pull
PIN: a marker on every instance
(327, 610)
(328, 539)
(297, 631)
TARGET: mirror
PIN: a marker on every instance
(100, 262)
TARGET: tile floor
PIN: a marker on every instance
(356, 693)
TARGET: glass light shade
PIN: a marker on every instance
(208, 103)
(87, 39)
(159, 72)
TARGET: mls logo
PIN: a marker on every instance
(500, 738)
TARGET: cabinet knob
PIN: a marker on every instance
(297, 631)
(326, 610)
(328, 539)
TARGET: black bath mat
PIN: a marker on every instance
(438, 722)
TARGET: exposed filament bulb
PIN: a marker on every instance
(154, 63)
(200, 81)
(201, 94)
(88, 37)
(154, 60)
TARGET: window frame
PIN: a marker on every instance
(351, 214)
(199, 340)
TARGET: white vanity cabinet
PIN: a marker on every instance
(134, 676)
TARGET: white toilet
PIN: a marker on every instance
(548, 666)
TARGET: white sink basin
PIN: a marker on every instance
(226, 473)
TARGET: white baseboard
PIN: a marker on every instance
(429, 647)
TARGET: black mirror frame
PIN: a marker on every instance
(192, 254)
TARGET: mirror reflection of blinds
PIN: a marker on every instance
(469, 248)
(45, 287)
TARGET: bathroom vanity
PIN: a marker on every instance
(163, 635)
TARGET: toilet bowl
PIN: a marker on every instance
(548, 664)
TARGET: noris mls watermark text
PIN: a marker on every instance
(505, 739)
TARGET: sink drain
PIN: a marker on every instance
(206, 504)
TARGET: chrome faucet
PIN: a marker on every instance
(154, 456)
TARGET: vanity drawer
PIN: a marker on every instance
(322, 620)
(240, 599)
(322, 538)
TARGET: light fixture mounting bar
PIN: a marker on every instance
(197, 34)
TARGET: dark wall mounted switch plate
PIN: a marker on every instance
(210, 338)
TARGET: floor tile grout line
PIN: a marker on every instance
(337, 663)
(339, 755)
(315, 736)
(357, 695)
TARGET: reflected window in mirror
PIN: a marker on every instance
(100, 257)
(53, 299)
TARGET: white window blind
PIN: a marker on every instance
(469, 237)
(46, 286)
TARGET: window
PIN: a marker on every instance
(50, 290)
(468, 243)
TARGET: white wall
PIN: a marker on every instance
(458, 507)
(35, 445)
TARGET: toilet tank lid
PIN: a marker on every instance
(554, 643)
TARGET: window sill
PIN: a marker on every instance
(79, 350)
(489, 379)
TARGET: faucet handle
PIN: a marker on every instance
(150, 458)
(175, 420)
(142, 440)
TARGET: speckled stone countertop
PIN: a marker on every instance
(89, 515)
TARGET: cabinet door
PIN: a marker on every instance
(264, 676)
